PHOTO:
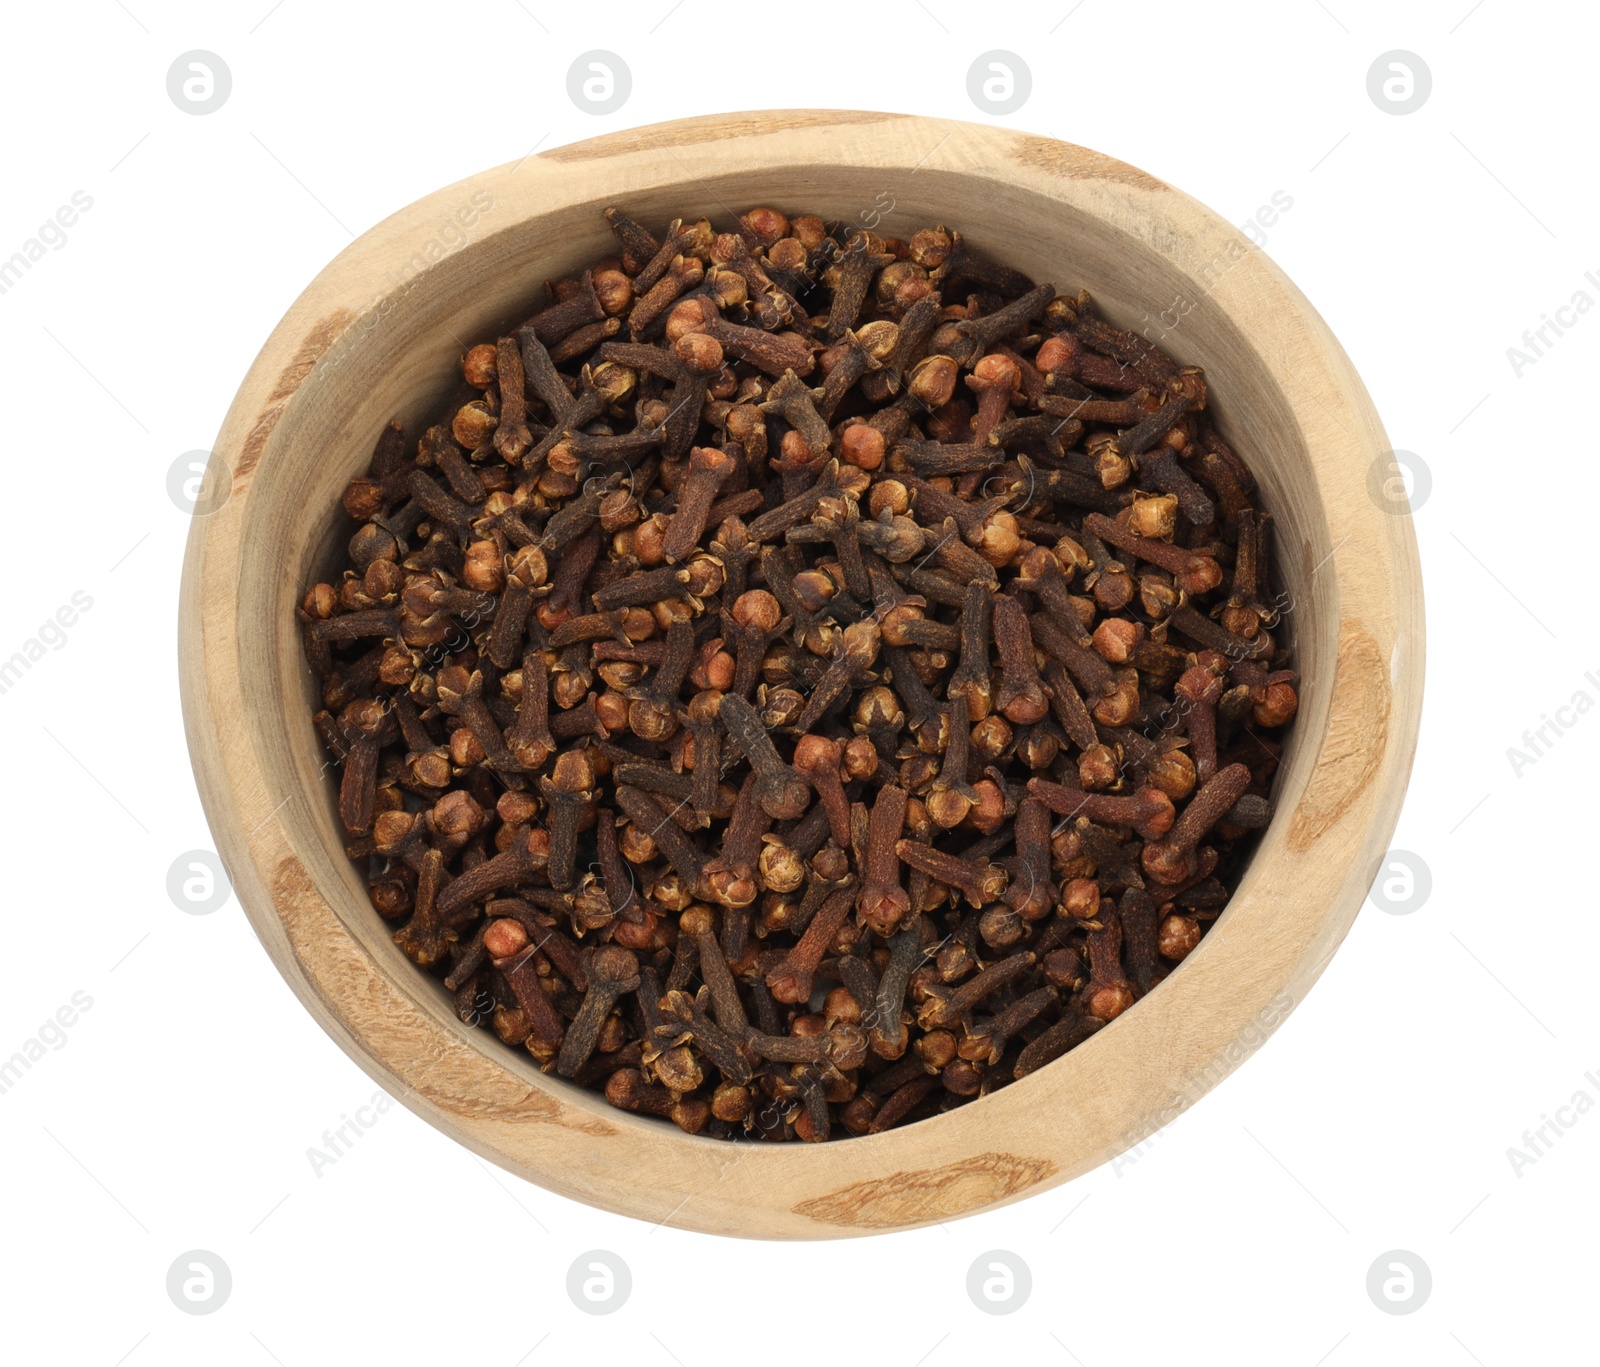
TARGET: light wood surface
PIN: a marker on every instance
(375, 336)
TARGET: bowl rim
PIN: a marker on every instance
(1125, 1082)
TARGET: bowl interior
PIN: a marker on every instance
(399, 359)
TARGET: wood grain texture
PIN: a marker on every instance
(1358, 724)
(709, 128)
(307, 354)
(373, 337)
(1082, 163)
(914, 1198)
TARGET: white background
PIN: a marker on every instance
(179, 1111)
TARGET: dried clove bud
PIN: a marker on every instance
(828, 704)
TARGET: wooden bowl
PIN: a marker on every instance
(378, 334)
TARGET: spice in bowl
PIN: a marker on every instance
(805, 679)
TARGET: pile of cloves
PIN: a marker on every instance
(806, 679)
